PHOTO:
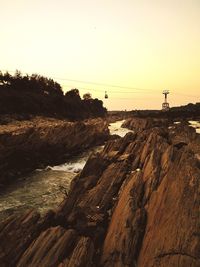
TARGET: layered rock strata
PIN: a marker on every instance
(137, 203)
(27, 145)
(140, 124)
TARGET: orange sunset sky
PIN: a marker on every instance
(132, 49)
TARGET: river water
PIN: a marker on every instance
(196, 125)
(44, 189)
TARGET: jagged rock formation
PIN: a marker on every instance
(140, 124)
(134, 204)
(27, 145)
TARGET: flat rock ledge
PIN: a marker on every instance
(137, 203)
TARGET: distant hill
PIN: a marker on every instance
(37, 95)
(188, 111)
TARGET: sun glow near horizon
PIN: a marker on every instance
(151, 45)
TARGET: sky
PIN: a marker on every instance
(133, 49)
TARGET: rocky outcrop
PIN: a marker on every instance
(27, 145)
(17, 233)
(140, 124)
(134, 204)
(54, 244)
(113, 116)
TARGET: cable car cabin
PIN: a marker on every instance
(106, 95)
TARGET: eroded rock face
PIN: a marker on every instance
(126, 228)
(140, 124)
(50, 248)
(17, 233)
(171, 237)
(137, 203)
(27, 145)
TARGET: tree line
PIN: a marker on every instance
(37, 95)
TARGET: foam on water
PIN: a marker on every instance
(115, 128)
(78, 163)
(196, 125)
(70, 167)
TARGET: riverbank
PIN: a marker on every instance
(45, 188)
(28, 145)
(124, 209)
(139, 124)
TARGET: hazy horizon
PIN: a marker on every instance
(133, 50)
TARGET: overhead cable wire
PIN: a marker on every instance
(105, 84)
(111, 85)
(100, 84)
(121, 92)
(102, 90)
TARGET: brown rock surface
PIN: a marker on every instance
(50, 248)
(82, 254)
(140, 124)
(126, 227)
(137, 203)
(17, 233)
(172, 231)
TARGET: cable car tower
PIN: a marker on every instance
(165, 105)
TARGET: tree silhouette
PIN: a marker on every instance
(37, 95)
(87, 96)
